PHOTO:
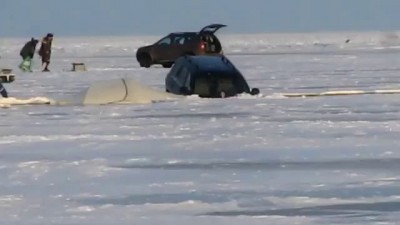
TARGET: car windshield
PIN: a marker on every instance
(219, 85)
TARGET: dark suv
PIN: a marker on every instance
(206, 76)
(174, 45)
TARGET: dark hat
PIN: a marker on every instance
(49, 35)
(33, 40)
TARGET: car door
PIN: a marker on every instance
(192, 44)
(161, 50)
(210, 42)
(177, 47)
(212, 28)
(177, 79)
(170, 80)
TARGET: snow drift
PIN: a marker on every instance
(124, 91)
(117, 91)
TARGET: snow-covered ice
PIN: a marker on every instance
(263, 159)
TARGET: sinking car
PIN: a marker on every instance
(175, 45)
(207, 77)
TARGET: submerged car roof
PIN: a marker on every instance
(212, 63)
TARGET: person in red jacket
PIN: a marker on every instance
(45, 51)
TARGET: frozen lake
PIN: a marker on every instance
(244, 160)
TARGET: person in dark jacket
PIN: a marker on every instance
(3, 91)
(45, 51)
(27, 52)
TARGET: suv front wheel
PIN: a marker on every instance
(145, 60)
(167, 64)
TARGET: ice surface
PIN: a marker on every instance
(261, 159)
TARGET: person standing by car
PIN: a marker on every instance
(27, 52)
(3, 91)
(45, 51)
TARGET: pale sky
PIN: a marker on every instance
(20, 18)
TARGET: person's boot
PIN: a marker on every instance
(3, 92)
(26, 65)
(22, 67)
(46, 69)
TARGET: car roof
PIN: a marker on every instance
(212, 63)
(189, 33)
(212, 28)
(184, 33)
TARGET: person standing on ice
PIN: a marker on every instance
(27, 52)
(45, 51)
(3, 91)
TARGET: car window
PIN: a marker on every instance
(175, 68)
(215, 84)
(188, 39)
(187, 82)
(182, 75)
(165, 41)
(176, 75)
(179, 40)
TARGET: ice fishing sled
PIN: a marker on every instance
(6, 76)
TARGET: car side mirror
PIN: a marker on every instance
(184, 90)
(255, 91)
